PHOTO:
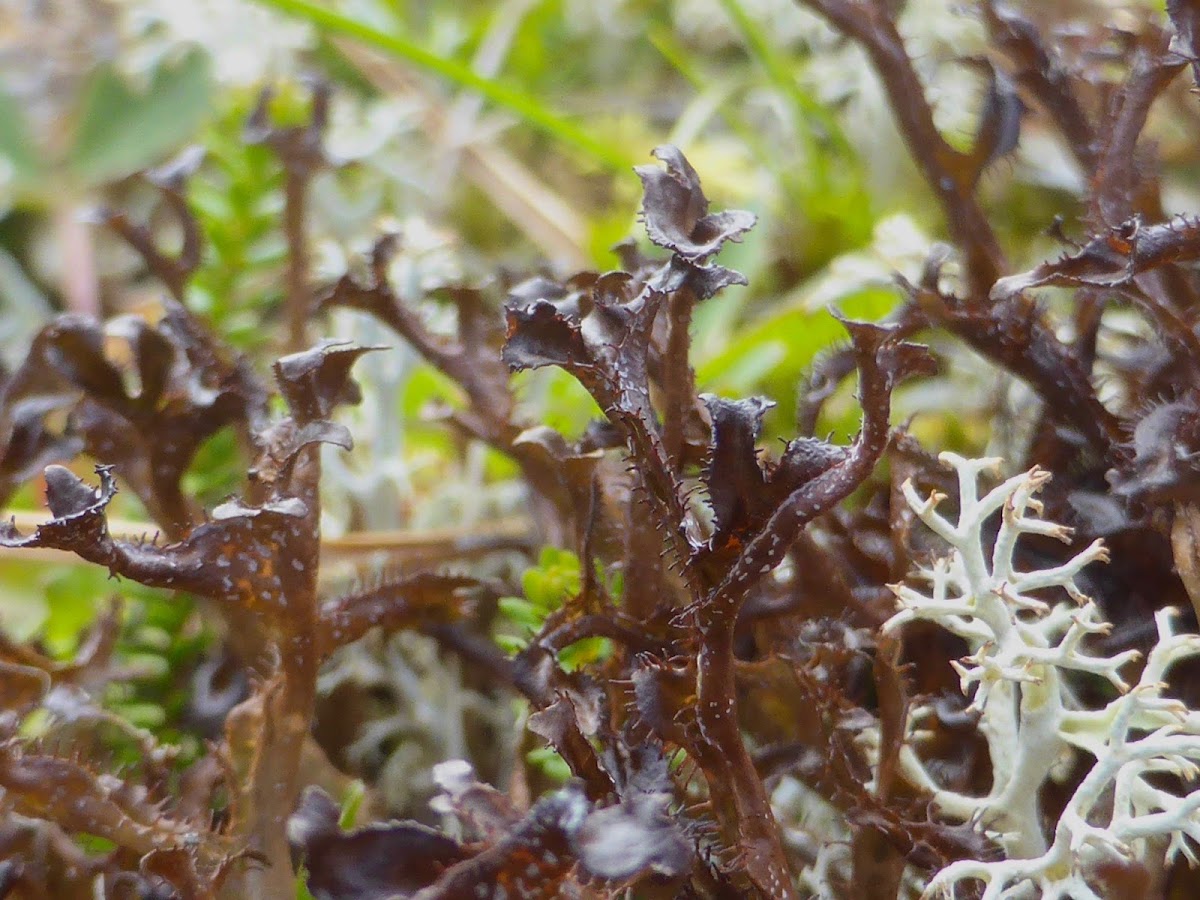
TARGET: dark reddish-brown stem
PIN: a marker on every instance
(677, 375)
(522, 675)
(1040, 72)
(1117, 180)
(644, 565)
(299, 296)
(270, 797)
(599, 625)
(1012, 335)
(489, 399)
(482, 378)
(950, 174)
(173, 271)
(1122, 185)
(407, 603)
(739, 799)
(301, 152)
(170, 271)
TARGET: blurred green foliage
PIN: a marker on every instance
(556, 578)
(239, 202)
(549, 763)
(116, 128)
(121, 130)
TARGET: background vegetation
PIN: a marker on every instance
(492, 138)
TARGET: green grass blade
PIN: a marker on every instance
(528, 108)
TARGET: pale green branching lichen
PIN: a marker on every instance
(1020, 648)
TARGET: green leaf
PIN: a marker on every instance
(556, 577)
(95, 844)
(142, 715)
(351, 803)
(520, 612)
(152, 666)
(302, 891)
(121, 131)
(510, 644)
(16, 144)
(583, 652)
(550, 763)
